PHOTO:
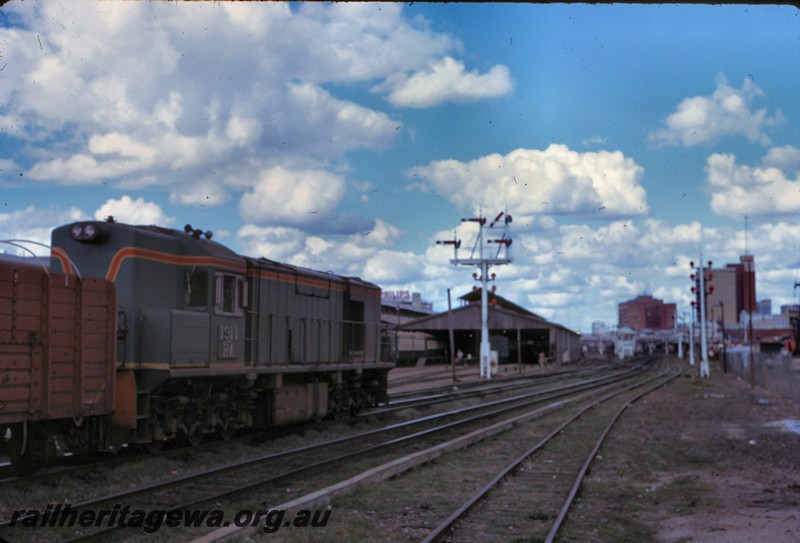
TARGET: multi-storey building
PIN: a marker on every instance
(646, 312)
(734, 292)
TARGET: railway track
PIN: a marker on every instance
(477, 389)
(575, 443)
(445, 372)
(76, 467)
(273, 472)
(473, 439)
(415, 399)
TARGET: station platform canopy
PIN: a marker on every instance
(505, 319)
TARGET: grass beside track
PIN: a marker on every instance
(663, 475)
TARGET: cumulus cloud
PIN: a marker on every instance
(738, 190)
(34, 224)
(350, 42)
(787, 158)
(273, 242)
(391, 267)
(8, 166)
(368, 254)
(132, 113)
(317, 121)
(282, 196)
(558, 272)
(579, 273)
(446, 80)
(598, 267)
(775, 245)
(138, 211)
(203, 194)
(554, 181)
(704, 120)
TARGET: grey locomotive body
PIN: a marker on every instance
(209, 341)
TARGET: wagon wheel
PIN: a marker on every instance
(154, 447)
(21, 461)
(24, 465)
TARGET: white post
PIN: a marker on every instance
(691, 340)
(704, 368)
(484, 261)
(486, 371)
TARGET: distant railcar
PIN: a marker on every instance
(196, 340)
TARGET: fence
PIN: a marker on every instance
(778, 372)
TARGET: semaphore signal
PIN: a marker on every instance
(701, 278)
(491, 248)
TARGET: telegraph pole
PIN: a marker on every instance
(482, 257)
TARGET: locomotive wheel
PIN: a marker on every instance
(195, 435)
(356, 408)
(226, 432)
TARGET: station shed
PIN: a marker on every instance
(516, 334)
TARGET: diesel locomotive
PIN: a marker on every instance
(136, 335)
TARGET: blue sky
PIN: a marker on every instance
(350, 137)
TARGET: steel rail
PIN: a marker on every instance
(393, 468)
(537, 396)
(436, 397)
(554, 393)
(358, 453)
(439, 531)
(562, 515)
(130, 454)
(437, 374)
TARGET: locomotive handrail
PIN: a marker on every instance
(16, 243)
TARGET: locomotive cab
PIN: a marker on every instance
(182, 300)
(182, 297)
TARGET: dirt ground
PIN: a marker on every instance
(706, 460)
(700, 460)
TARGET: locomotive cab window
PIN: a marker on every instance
(231, 294)
(197, 288)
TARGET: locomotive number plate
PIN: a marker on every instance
(228, 338)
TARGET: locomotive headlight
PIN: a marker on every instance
(89, 232)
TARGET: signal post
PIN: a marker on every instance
(491, 248)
